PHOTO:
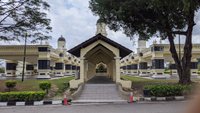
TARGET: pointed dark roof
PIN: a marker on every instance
(123, 50)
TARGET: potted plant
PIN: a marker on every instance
(146, 92)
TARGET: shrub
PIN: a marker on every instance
(10, 84)
(166, 90)
(22, 96)
(63, 87)
(45, 86)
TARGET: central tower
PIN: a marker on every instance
(101, 28)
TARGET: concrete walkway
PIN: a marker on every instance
(100, 80)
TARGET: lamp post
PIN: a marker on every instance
(24, 60)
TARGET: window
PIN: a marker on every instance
(143, 65)
(134, 66)
(43, 64)
(68, 67)
(43, 49)
(29, 67)
(158, 64)
(128, 67)
(59, 66)
(73, 67)
(172, 66)
(194, 65)
(157, 48)
(11, 66)
(78, 67)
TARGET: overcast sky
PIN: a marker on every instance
(74, 20)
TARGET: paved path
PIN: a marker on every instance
(100, 93)
(100, 79)
(166, 107)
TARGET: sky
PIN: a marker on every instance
(73, 20)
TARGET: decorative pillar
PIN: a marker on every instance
(10, 70)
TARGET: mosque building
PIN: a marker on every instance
(97, 54)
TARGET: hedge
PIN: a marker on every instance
(22, 96)
(167, 90)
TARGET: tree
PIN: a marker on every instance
(10, 84)
(45, 85)
(164, 18)
(18, 17)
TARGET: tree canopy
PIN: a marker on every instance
(18, 17)
(145, 17)
(162, 18)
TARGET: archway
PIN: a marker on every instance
(101, 68)
(94, 51)
(100, 58)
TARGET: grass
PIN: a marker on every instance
(138, 83)
(135, 79)
(33, 85)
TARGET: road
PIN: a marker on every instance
(161, 107)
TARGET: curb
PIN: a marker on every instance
(32, 103)
(172, 98)
(60, 102)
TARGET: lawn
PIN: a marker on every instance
(138, 83)
(33, 85)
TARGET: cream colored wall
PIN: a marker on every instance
(91, 71)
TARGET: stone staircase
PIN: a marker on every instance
(99, 93)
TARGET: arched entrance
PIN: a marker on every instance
(100, 57)
(97, 50)
(101, 68)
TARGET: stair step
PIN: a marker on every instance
(99, 93)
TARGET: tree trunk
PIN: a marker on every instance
(175, 56)
(183, 65)
(186, 60)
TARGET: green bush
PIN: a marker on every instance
(10, 84)
(167, 90)
(63, 87)
(22, 96)
(45, 86)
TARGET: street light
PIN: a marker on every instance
(24, 60)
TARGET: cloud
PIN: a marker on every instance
(74, 20)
